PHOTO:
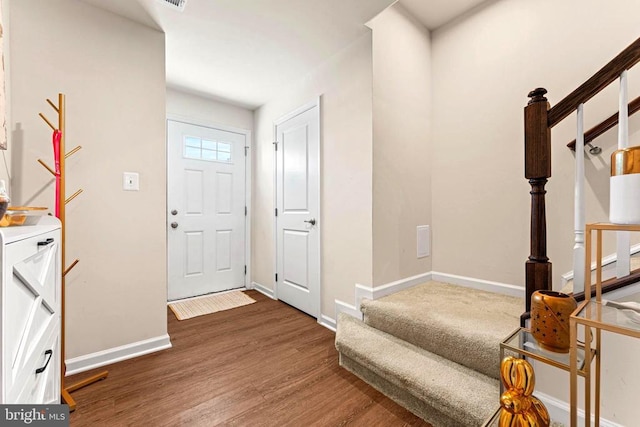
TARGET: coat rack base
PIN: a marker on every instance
(66, 392)
(66, 398)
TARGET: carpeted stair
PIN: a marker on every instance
(433, 348)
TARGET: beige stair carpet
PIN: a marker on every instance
(199, 306)
(438, 390)
(460, 324)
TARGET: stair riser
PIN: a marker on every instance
(416, 375)
(399, 395)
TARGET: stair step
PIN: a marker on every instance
(440, 391)
(461, 324)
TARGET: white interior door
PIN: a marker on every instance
(298, 209)
(207, 211)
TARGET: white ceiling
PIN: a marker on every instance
(435, 13)
(245, 51)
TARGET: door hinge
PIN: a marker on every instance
(245, 270)
(275, 144)
(276, 211)
(245, 211)
(276, 277)
(245, 150)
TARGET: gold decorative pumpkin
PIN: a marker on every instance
(519, 407)
(550, 313)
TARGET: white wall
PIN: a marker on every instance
(401, 143)
(112, 72)
(344, 83)
(207, 111)
(5, 156)
(483, 67)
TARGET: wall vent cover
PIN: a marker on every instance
(174, 4)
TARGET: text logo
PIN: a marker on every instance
(34, 415)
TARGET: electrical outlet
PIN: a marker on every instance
(131, 181)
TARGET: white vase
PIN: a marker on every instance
(624, 207)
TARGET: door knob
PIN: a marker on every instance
(311, 221)
(174, 212)
(174, 225)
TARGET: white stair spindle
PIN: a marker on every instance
(623, 113)
(623, 249)
(623, 259)
(579, 207)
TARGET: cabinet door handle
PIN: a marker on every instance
(46, 353)
(45, 242)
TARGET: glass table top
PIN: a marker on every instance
(610, 316)
(522, 342)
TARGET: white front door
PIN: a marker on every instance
(206, 202)
(298, 209)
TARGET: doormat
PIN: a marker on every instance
(193, 307)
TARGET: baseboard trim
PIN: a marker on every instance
(343, 307)
(117, 354)
(373, 293)
(607, 260)
(327, 322)
(559, 411)
(263, 290)
(483, 285)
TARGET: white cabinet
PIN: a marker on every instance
(30, 299)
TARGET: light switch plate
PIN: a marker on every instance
(131, 181)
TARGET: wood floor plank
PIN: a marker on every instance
(264, 364)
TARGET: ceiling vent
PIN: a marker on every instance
(174, 4)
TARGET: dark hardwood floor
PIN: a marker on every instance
(265, 364)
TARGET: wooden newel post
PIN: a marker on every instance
(537, 168)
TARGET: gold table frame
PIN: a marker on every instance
(522, 343)
(594, 317)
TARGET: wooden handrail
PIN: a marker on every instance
(605, 125)
(612, 284)
(539, 118)
(605, 76)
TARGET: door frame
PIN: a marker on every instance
(247, 184)
(305, 107)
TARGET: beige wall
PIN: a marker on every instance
(5, 156)
(112, 72)
(207, 111)
(344, 83)
(401, 143)
(483, 67)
